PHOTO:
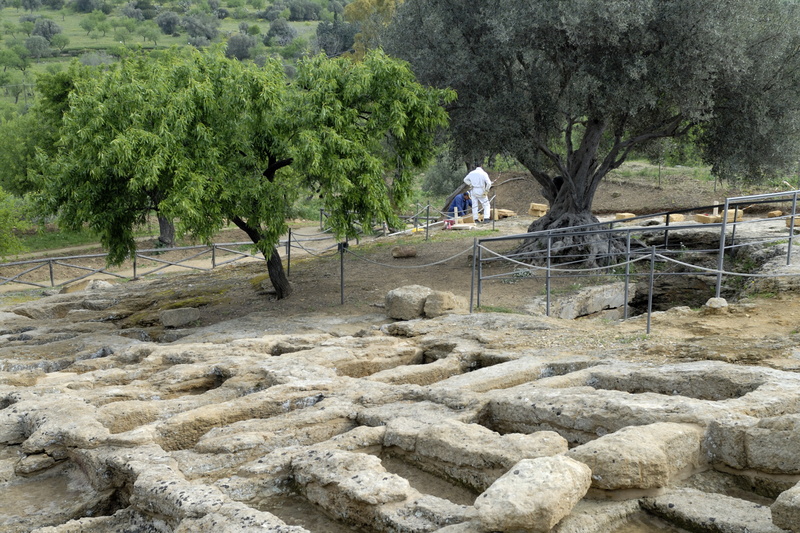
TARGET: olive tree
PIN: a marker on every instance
(206, 140)
(570, 88)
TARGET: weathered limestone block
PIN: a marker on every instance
(642, 457)
(775, 214)
(237, 518)
(476, 446)
(161, 490)
(593, 516)
(176, 318)
(469, 453)
(773, 445)
(623, 216)
(127, 519)
(440, 303)
(335, 476)
(424, 411)
(585, 302)
(715, 306)
(184, 429)
(674, 217)
(537, 210)
(534, 495)
(33, 463)
(401, 252)
(768, 445)
(54, 420)
(511, 373)
(361, 356)
(407, 303)
(355, 487)
(725, 440)
(695, 510)
(420, 374)
(786, 510)
(317, 423)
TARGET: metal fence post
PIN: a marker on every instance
(213, 255)
(547, 275)
(427, 221)
(52, 278)
(652, 283)
(627, 274)
(289, 253)
(791, 229)
(134, 266)
(472, 283)
(480, 273)
(342, 248)
(721, 257)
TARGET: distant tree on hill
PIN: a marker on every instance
(239, 46)
(203, 26)
(31, 5)
(46, 28)
(371, 17)
(87, 6)
(59, 41)
(335, 38)
(168, 21)
(38, 46)
(280, 33)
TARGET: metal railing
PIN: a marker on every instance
(640, 243)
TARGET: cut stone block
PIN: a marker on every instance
(674, 217)
(534, 495)
(706, 219)
(642, 457)
(786, 510)
(623, 216)
(695, 510)
(407, 303)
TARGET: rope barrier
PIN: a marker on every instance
(408, 266)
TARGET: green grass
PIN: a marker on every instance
(644, 169)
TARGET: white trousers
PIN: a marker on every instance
(480, 200)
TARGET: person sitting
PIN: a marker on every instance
(460, 205)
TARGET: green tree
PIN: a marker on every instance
(569, 88)
(10, 220)
(60, 41)
(206, 139)
(372, 17)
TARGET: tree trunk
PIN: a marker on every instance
(277, 275)
(166, 229)
(588, 249)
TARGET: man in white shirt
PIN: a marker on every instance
(480, 183)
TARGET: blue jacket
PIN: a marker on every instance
(461, 203)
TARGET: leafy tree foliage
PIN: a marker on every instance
(10, 219)
(206, 139)
(569, 88)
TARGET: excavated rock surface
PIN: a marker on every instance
(462, 423)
